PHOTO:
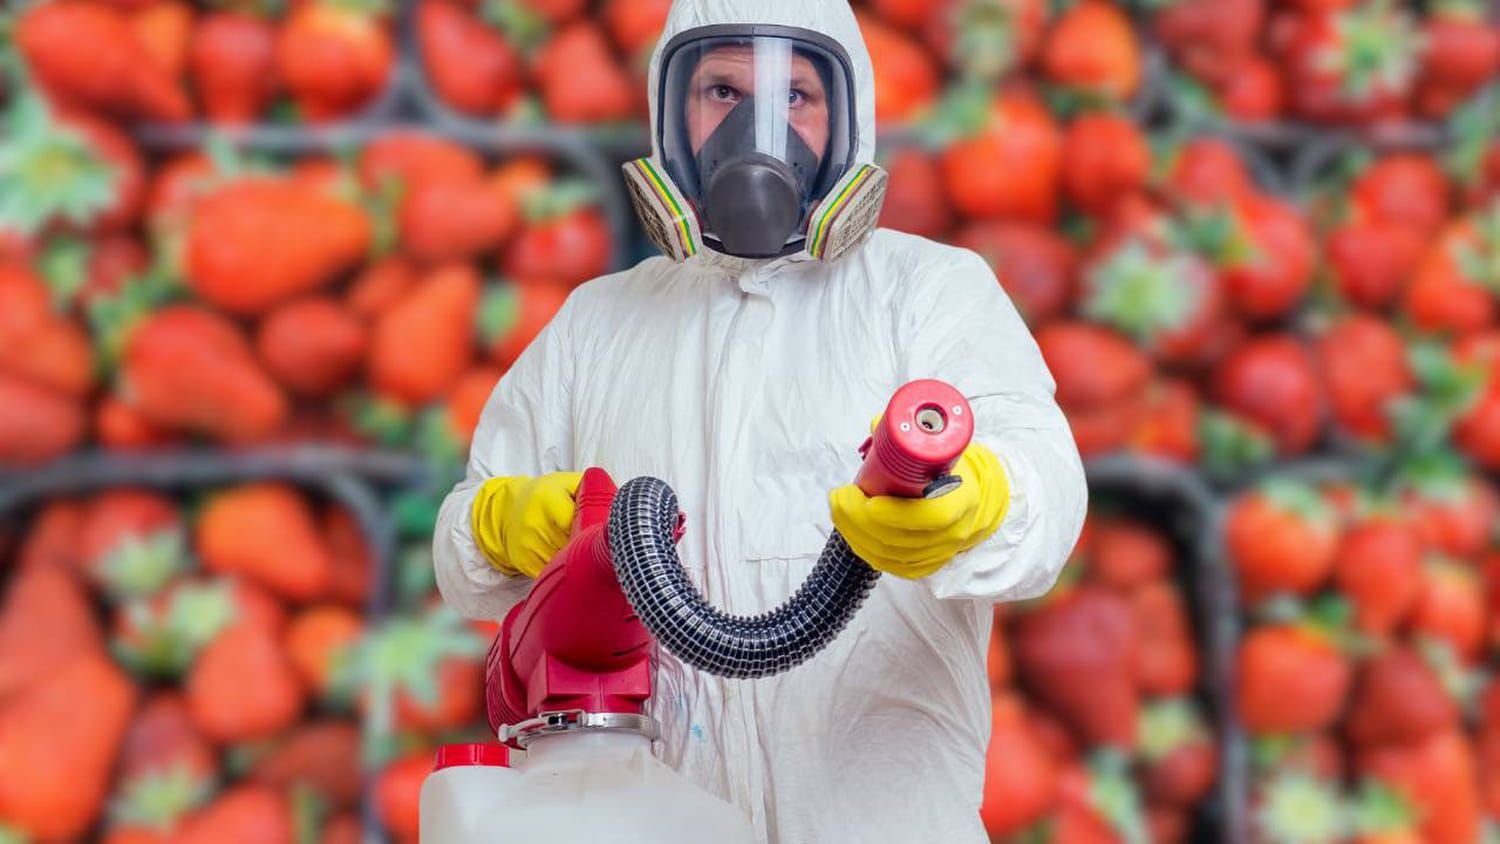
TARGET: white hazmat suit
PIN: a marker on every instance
(747, 385)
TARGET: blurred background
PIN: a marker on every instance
(261, 264)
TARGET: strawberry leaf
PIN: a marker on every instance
(49, 172)
(1381, 810)
(157, 800)
(1299, 809)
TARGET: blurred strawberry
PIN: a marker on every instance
(1454, 514)
(906, 78)
(1450, 289)
(38, 424)
(1206, 171)
(1099, 804)
(225, 706)
(333, 57)
(286, 553)
(635, 25)
(318, 640)
(36, 343)
(1272, 382)
(1020, 782)
(132, 542)
(120, 427)
(322, 757)
(1077, 654)
(352, 564)
(45, 619)
(380, 285)
(1281, 539)
(1181, 762)
(243, 813)
(1168, 300)
(1093, 48)
(85, 53)
(472, 67)
(1355, 65)
(1379, 568)
(1477, 431)
(159, 637)
(1437, 775)
(1093, 366)
(1372, 260)
(68, 170)
(1398, 698)
(1169, 424)
(233, 62)
(1105, 157)
(166, 769)
(1294, 806)
(1125, 554)
(1405, 188)
(1289, 678)
(408, 157)
(313, 346)
(398, 791)
(163, 28)
(1035, 266)
(1252, 94)
(421, 344)
(1365, 371)
(428, 666)
(1450, 608)
(564, 239)
(59, 738)
(185, 367)
(1168, 663)
(510, 317)
(452, 220)
(1271, 280)
(1461, 51)
(914, 198)
(1211, 39)
(580, 80)
(1007, 161)
(239, 229)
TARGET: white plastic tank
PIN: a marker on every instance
(580, 787)
(461, 788)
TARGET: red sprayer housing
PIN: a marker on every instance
(925, 429)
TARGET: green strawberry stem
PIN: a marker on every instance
(49, 172)
(1141, 294)
(1167, 725)
(1299, 809)
(142, 566)
(558, 200)
(1115, 797)
(1381, 810)
(157, 800)
(1232, 447)
(1378, 47)
(1472, 128)
(523, 26)
(167, 641)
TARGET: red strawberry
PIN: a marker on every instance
(1092, 47)
(398, 792)
(1398, 699)
(1289, 679)
(1477, 432)
(1077, 654)
(1181, 760)
(1454, 515)
(1272, 382)
(229, 709)
(233, 61)
(120, 427)
(1461, 53)
(160, 637)
(1169, 425)
(46, 617)
(1437, 775)
(1035, 266)
(132, 542)
(471, 66)
(1010, 166)
(635, 25)
(287, 554)
(423, 342)
(1167, 299)
(381, 285)
(1211, 39)
(35, 343)
(914, 198)
(567, 248)
(408, 157)
(1168, 662)
(451, 220)
(313, 346)
(1126, 554)
(1379, 567)
(1281, 538)
(1020, 782)
(1352, 66)
(118, 152)
(1278, 272)
(579, 78)
(259, 241)
(1450, 608)
(319, 638)
(1253, 94)
(38, 425)
(185, 367)
(322, 756)
(244, 813)
(906, 77)
(334, 59)
(166, 770)
(1207, 171)
(86, 53)
(1372, 260)
(1406, 188)
(353, 565)
(1364, 366)
(59, 738)
(511, 317)
(1443, 295)
(1093, 366)
(163, 27)
(1105, 157)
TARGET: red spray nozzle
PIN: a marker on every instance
(925, 429)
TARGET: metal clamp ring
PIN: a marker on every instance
(570, 720)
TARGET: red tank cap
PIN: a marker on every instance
(489, 754)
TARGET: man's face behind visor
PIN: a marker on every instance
(727, 75)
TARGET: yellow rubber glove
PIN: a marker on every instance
(914, 537)
(519, 523)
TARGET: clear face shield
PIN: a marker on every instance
(756, 127)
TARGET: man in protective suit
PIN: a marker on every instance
(743, 368)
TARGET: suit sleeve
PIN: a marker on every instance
(525, 429)
(958, 325)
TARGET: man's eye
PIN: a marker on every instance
(723, 93)
(795, 97)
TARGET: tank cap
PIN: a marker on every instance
(487, 754)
